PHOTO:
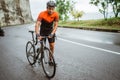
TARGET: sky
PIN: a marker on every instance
(82, 5)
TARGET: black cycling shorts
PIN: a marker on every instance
(50, 40)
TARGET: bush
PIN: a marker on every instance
(111, 23)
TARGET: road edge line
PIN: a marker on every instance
(93, 47)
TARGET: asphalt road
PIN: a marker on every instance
(80, 55)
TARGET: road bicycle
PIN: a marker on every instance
(41, 54)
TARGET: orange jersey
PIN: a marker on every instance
(47, 17)
(47, 21)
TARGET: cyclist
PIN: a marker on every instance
(47, 23)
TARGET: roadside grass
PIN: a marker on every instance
(109, 24)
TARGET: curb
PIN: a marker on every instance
(93, 29)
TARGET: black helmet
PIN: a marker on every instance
(51, 4)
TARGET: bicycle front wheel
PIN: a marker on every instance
(30, 52)
(48, 68)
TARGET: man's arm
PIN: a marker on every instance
(37, 26)
(55, 27)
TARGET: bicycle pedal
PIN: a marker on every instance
(34, 65)
(39, 61)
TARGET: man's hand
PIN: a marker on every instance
(50, 35)
(39, 37)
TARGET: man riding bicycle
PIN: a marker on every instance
(47, 23)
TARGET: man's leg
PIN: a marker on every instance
(52, 51)
(52, 47)
(52, 43)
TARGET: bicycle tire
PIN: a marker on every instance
(30, 53)
(48, 70)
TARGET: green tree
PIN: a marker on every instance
(77, 14)
(102, 6)
(64, 7)
(115, 6)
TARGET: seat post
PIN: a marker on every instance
(33, 37)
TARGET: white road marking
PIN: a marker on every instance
(93, 47)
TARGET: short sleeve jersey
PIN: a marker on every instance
(47, 21)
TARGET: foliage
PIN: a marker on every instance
(102, 6)
(64, 7)
(77, 14)
(116, 6)
(110, 23)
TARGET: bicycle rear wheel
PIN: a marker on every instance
(47, 68)
(30, 52)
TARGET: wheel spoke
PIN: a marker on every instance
(30, 53)
(30, 49)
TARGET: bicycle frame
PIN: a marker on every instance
(42, 54)
(43, 44)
